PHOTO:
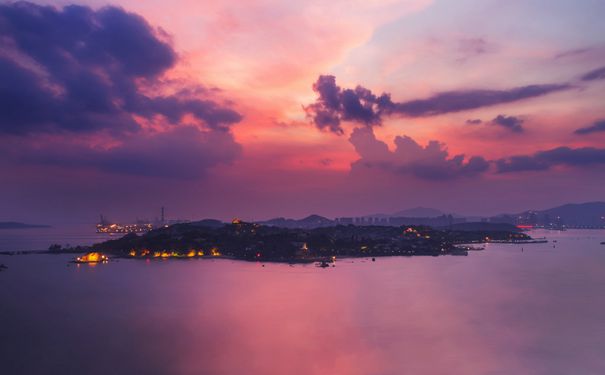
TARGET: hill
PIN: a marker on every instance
(588, 215)
(309, 222)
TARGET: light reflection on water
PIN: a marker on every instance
(499, 311)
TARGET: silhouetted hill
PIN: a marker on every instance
(209, 223)
(309, 222)
(579, 214)
(582, 215)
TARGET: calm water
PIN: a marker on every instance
(500, 311)
(42, 238)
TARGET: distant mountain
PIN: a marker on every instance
(419, 212)
(578, 210)
(309, 222)
(17, 225)
(590, 214)
(577, 214)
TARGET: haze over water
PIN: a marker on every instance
(499, 311)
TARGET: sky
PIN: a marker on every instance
(268, 108)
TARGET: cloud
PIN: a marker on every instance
(431, 162)
(573, 52)
(476, 121)
(75, 69)
(543, 160)
(184, 152)
(598, 126)
(511, 123)
(335, 104)
(75, 88)
(594, 74)
(472, 47)
(457, 101)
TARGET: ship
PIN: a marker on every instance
(141, 226)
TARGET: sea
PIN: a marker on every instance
(508, 309)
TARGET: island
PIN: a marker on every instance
(18, 225)
(253, 241)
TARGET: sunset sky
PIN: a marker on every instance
(264, 108)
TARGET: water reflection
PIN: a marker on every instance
(500, 311)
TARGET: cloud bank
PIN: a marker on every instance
(78, 71)
(544, 160)
(430, 162)
(336, 104)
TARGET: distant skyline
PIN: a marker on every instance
(266, 108)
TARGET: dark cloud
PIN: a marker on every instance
(185, 152)
(431, 162)
(335, 104)
(476, 121)
(542, 160)
(594, 74)
(598, 126)
(456, 101)
(360, 105)
(511, 123)
(77, 69)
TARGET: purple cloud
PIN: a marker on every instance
(543, 160)
(75, 69)
(598, 126)
(511, 123)
(184, 152)
(476, 121)
(457, 101)
(335, 104)
(594, 74)
(431, 162)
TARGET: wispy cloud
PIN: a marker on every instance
(593, 75)
(597, 126)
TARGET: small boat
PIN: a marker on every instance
(603, 243)
(322, 264)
